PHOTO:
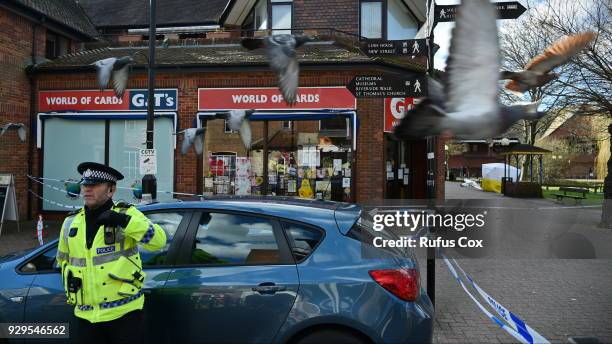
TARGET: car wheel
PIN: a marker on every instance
(331, 336)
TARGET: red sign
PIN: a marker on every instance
(94, 100)
(308, 98)
(395, 109)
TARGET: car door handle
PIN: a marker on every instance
(269, 288)
(17, 299)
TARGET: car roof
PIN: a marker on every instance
(316, 212)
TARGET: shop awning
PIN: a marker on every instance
(297, 115)
(84, 116)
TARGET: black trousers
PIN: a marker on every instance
(127, 329)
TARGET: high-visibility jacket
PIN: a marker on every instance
(110, 276)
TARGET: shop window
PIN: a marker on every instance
(281, 16)
(334, 127)
(87, 142)
(401, 24)
(234, 239)
(126, 138)
(371, 19)
(286, 125)
(222, 167)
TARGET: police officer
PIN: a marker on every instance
(101, 268)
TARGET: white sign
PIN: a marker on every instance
(8, 200)
(346, 182)
(148, 161)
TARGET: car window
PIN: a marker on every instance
(234, 239)
(302, 239)
(169, 222)
(44, 262)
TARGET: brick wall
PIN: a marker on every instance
(15, 56)
(339, 14)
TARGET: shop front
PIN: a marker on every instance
(307, 150)
(88, 125)
(405, 161)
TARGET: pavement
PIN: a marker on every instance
(559, 298)
(14, 239)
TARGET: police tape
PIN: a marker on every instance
(513, 325)
(53, 202)
(54, 188)
(517, 324)
(37, 179)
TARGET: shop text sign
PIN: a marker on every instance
(308, 98)
(395, 110)
(94, 100)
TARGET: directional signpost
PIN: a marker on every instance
(406, 47)
(506, 10)
(388, 86)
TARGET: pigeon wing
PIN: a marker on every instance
(120, 79)
(425, 119)
(104, 69)
(283, 62)
(235, 119)
(560, 52)
(21, 132)
(188, 138)
(198, 142)
(474, 62)
(245, 133)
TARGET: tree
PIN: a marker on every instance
(520, 41)
(585, 84)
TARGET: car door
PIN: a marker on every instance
(46, 300)
(235, 280)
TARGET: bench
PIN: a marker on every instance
(578, 194)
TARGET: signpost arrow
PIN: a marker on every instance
(406, 47)
(506, 10)
(388, 86)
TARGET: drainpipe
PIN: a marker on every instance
(30, 75)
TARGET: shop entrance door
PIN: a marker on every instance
(405, 169)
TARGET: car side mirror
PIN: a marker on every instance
(29, 268)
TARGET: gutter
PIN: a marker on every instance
(179, 29)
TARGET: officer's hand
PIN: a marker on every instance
(112, 219)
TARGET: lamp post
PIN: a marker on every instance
(149, 182)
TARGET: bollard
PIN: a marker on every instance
(39, 230)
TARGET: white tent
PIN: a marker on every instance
(493, 173)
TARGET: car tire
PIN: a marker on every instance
(331, 336)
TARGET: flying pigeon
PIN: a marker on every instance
(193, 137)
(237, 120)
(280, 50)
(467, 106)
(537, 71)
(21, 132)
(118, 68)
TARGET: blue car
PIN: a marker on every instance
(255, 270)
